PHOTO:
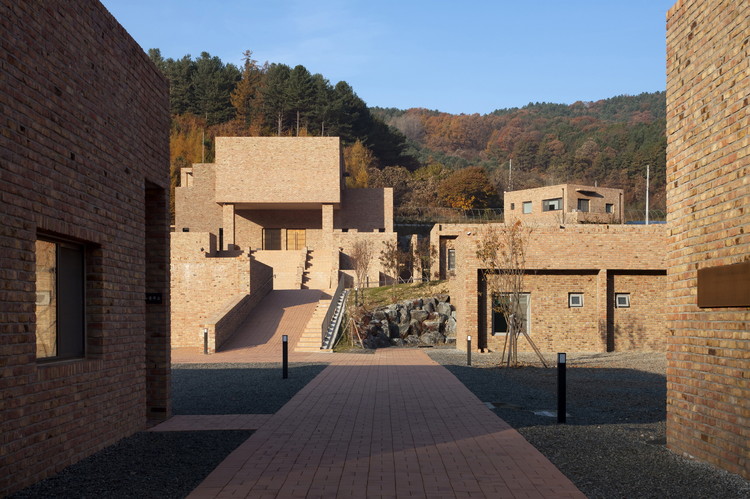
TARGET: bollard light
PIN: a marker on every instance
(561, 387)
(285, 357)
(205, 341)
(468, 350)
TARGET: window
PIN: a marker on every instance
(60, 309)
(452, 259)
(609, 208)
(512, 206)
(527, 206)
(583, 205)
(575, 300)
(271, 239)
(622, 300)
(501, 306)
(552, 204)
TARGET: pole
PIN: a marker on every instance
(468, 350)
(510, 174)
(205, 341)
(561, 388)
(285, 356)
(647, 181)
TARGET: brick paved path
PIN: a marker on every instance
(392, 424)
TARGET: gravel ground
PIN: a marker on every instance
(171, 464)
(613, 445)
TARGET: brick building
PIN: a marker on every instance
(267, 206)
(708, 203)
(587, 287)
(84, 358)
(565, 204)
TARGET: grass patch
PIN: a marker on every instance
(385, 295)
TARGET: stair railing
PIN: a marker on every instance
(331, 310)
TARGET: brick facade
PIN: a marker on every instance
(84, 145)
(597, 261)
(601, 205)
(708, 203)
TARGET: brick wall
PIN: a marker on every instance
(195, 203)
(365, 210)
(278, 170)
(84, 132)
(597, 260)
(598, 198)
(708, 200)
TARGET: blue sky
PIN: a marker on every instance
(457, 57)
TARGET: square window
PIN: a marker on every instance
(552, 204)
(575, 300)
(622, 300)
(451, 259)
(583, 205)
(60, 303)
(527, 206)
(609, 208)
(505, 307)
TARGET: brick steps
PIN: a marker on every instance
(310, 340)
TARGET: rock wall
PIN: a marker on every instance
(423, 321)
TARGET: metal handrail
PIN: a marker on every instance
(331, 309)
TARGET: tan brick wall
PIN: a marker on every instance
(278, 170)
(84, 148)
(577, 258)
(195, 204)
(365, 210)
(346, 241)
(708, 203)
(249, 225)
(598, 198)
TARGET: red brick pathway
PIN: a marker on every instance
(393, 424)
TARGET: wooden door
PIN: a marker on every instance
(295, 239)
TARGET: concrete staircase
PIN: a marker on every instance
(310, 341)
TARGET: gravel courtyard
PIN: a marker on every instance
(614, 443)
(612, 447)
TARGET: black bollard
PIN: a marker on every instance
(561, 388)
(285, 356)
(468, 350)
(205, 341)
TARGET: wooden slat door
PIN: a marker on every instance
(295, 239)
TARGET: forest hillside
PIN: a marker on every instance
(436, 162)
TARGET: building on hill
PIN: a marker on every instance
(267, 206)
(84, 237)
(565, 204)
(592, 288)
(708, 212)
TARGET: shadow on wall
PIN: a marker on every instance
(628, 334)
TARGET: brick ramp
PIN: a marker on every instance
(392, 424)
(258, 339)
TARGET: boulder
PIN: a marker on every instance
(419, 315)
(443, 308)
(443, 298)
(378, 315)
(415, 327)
(393, 330)
(392, 313)
(397, 342)
(432, 326)
(412, 340)
(429, 305)
(432, 338)
(403, 330)
(450, 327)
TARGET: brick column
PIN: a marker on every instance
(228, 224)
(602, 307)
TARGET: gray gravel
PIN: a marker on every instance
(614, 442)
(172, 464)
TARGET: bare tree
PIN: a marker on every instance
(392, 258)
(361, 257)
(502, 251)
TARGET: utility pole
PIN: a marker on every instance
(647, 181)
(510, 174)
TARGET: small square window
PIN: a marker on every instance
(575, 300)
(609, 208)
(583, 205)
(622, 300)
(527, 206)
